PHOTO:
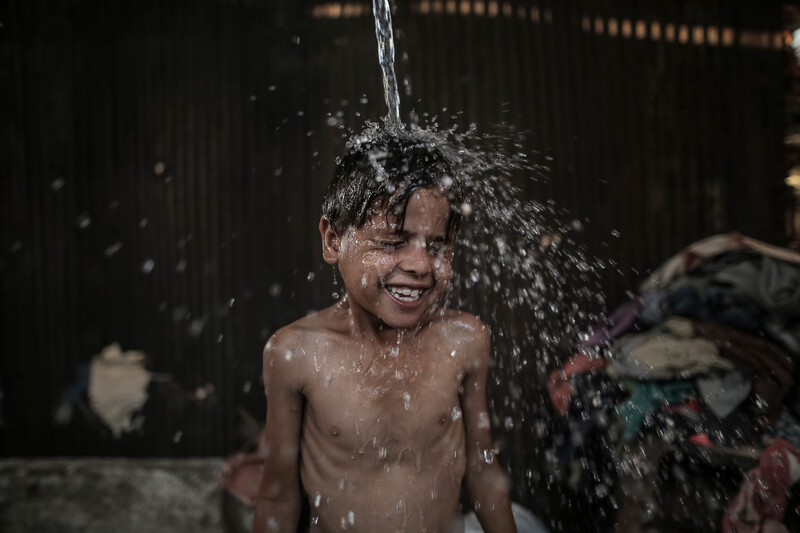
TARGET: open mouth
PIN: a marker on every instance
(405, 294)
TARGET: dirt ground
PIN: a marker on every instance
(119, 495)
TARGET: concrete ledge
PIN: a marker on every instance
(94, 495)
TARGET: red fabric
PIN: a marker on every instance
(241, 474)
(761, 503)
(701, 439)
(558, 383)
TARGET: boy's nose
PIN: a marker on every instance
(416, 258)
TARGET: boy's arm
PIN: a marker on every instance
(279, 499)
(486, 483)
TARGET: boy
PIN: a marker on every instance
(376, 407)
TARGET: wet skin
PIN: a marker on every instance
(376, 405)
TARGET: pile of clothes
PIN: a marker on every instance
(705, 354)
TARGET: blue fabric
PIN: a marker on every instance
(646, 398)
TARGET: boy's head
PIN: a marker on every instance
(384, 172)
(389, 222)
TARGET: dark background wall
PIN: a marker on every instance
(162, 165)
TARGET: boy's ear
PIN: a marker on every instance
(330, 241)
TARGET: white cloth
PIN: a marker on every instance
(525, 520)
(117, 387)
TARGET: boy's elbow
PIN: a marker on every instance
(277, 513)
(487, 480)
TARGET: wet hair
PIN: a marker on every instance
(388, 169)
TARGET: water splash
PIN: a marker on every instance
(383, 32)
(519, 265)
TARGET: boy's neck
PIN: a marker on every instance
(372, 328)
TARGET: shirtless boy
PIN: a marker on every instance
(376, 406)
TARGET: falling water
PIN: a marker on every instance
(518, 266)
(383, 32)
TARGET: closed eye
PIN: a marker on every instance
(391, 245)
(436, 248)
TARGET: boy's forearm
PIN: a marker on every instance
(489, 496)
(276, 515)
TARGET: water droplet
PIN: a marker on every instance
(159, 168)
(113, 249)
(148, 265)
(196, 327)
(488, 456)
(83, 221)
(178, 436)
(57, 184)
(407, 401)
(275, 290)
(466, 209)
(181, 266)
(615, 233)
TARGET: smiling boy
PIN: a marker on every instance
(376, 406)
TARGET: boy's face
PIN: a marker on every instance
(399, 273)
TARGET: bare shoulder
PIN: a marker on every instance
(463, 325)
(468, 332)
(288, 353)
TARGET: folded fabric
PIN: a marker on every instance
(770, 368)
(696, 298)
(773, 284)
(693, 255)
(670, 351)
(618, 322)
(760, 505)
(558, 383)
(648, 397)
(723, 392)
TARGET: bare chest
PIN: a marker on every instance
(387, 409)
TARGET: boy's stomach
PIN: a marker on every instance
(413, 497)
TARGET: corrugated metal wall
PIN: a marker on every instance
(163, 165)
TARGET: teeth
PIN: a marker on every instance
(405, 294)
